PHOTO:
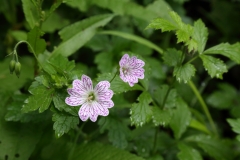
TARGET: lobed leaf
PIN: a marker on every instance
(161, 117)
(235, 124)
(141, 112)
(214, 66)
(187, 152)
(173, 57)
(184, 73)
(180, 119)
(30, 12)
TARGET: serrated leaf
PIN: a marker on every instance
(180, 119)
(54, 6)
(141, 112)
(92, 151)
(33, 37)
(157, 70)
(59, 103)
(30, 12)
(214, 66)
(118, 132)
(172, 57)
(235, 124)
(80, 32)
(228, 92)
(184, 73)
(214, 147)
(63, 123)
(40, 99)
(160, 23)
(159, 94)
(117, 85)
(200, 35)
(161, 117)
(225, 49)
(184, 33)
(104, 61)
(187, 153)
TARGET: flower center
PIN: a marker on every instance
(91, 97)
(125, 70)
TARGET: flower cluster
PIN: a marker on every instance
(96, 101)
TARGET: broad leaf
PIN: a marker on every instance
(184, 73)
(199, 126)
(180, 119)
(225, 49)
(30, 12)
(200, 35)
(161, 117)
(40, 99)
(63, 123)
(104, 60)
(54, 6)
(173, 57)
(235, 124)
(187, 152)
(117, 85)
(163, 24)
(214, 147)
(92, 151)
(118, 132)
(214, 66)
(37, 44)
(141, 112)
(80, 32)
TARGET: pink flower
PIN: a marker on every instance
(94, 101)
(131, 69)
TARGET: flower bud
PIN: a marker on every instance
(12, 66)
(17, 69)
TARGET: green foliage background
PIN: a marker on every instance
(187, 107)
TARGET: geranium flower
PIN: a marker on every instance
(131, 69)
(94, 101)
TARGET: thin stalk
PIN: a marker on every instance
(155, 140)
(114, 76)
(75, 141)
(204, 106)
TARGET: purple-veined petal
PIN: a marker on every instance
(124, 60)
(76, 92)
(107, 104)
(84, 112)
(106, 95)
(74, 101)
(132, 61)
(122, 76)
(79, 86)
(131, 84)
(87, 82)
(100, 109)
(139, 63)
(93, 114)
(139, 73)
(102, 86)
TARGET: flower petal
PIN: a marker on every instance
(79, 86)
(84, 112)
(139, 63)
(132, 62)
(139, 73)
(124, 60)
(102, 86)
(99, 109)
(93, 113)
(106, 104)
(74, 101)
(106, 95)
(87, 82)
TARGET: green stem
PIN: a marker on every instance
(155, 140)
(193, 59)
(75, 141)
(15, 50)
(114, 76)
(204, 106)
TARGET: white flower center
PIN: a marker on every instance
(91, 97)
(125, 70)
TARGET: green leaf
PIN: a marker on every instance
(118, 132)
(15, 114)
(199, 126)
(225, 49)
(214, 66)
(80, 32)
(19, 35)
(184, 73)
(92, 151)
(135, 38)
(11, 82)
(180, 119)
(55, 5)
(173, 57)
(157, 70)
(159, 94)
(214, 147)
(63, 123)
(200, 34)
(30, 12)
(235, 124)
(163, 24)
(117, 85)
(141, 112)
(104, 61)
(59, 103)
(161, 117)
(228, 92)
(187, 152)
(37, 44)
(41, 98)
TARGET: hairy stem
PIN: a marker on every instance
(204, 106)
